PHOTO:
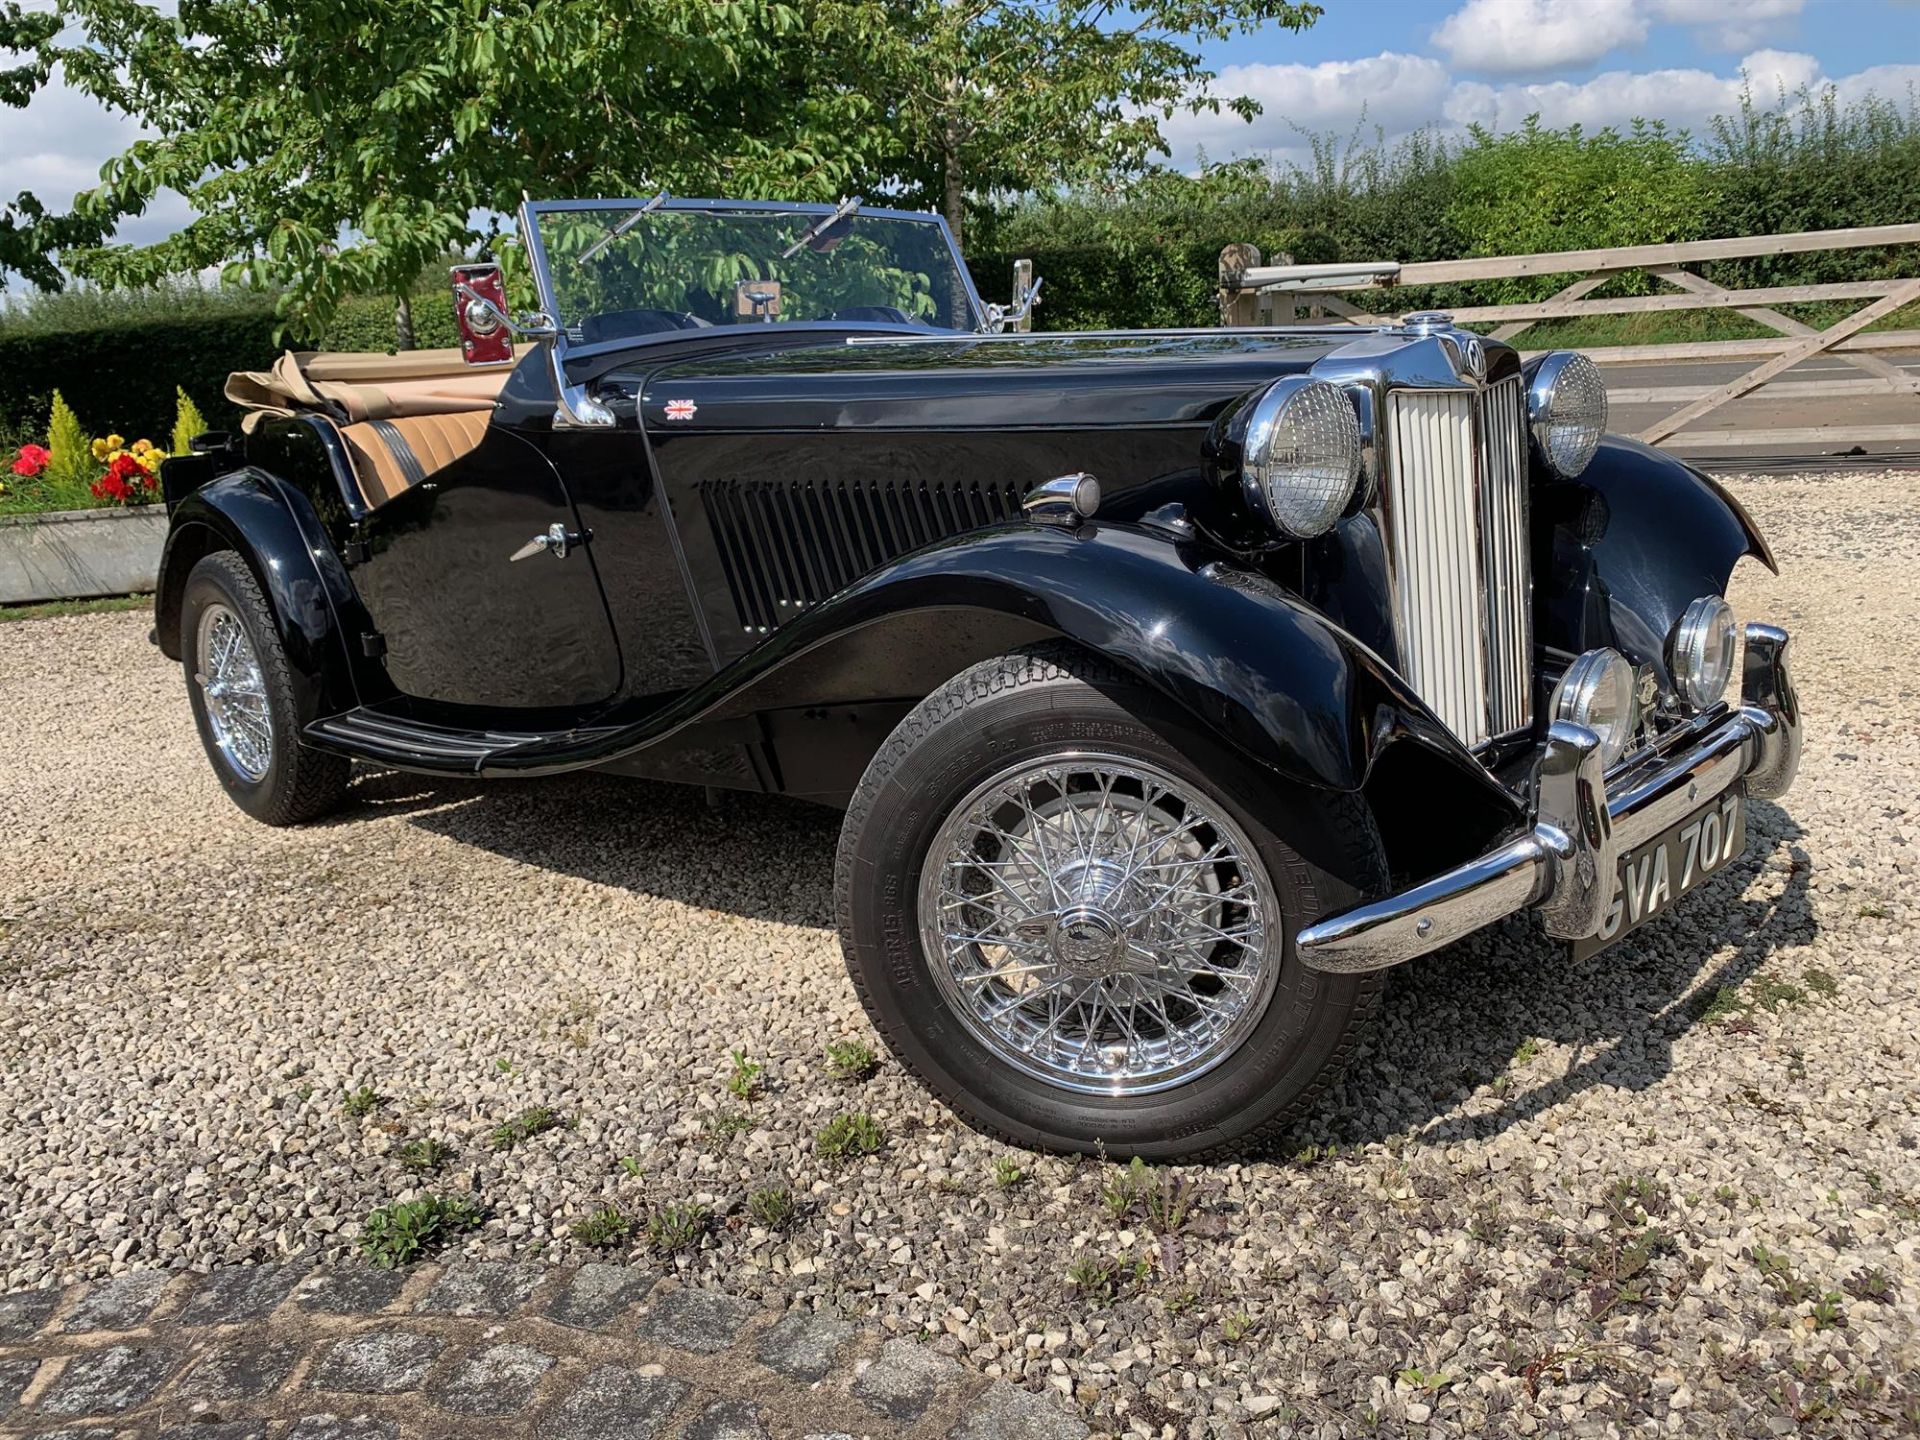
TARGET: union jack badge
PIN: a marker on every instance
(680, 409)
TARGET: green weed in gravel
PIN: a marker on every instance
(604, 1229)
(1007, 1172)
(723, 1125)
(677, 1227)
(850, 1060)
(771, 1207)
(744, 1082)
(523, 1127)
(361, 1103)
(396, 1235)
(1770, 992)
(846, 1137)
(424, 1156)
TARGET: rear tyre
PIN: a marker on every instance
(241, 689)
(1070, 913)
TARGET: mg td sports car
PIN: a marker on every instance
(1174, 684)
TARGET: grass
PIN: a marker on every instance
(850, 1060)
(396, 1235)
(606, 1228)
(771, 1207)
(523, 1127)
(676, 1227)
(846, 1137)
(361, 1103)
(744, 1082)
(52, 609)
(723, 1125)
(423, 1157)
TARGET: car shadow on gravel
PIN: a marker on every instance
(1453, 1026)
(1450, 1025)
(763, 857)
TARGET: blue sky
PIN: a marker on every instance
(1446, 63)
(1394, 65)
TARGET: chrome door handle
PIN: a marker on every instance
(557, 540)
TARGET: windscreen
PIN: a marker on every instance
(615, 272)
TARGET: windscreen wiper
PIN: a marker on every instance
(821, 226)
(622, 228)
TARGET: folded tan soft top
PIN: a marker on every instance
(353, 388)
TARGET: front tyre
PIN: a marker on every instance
(1060, 918)
(242, 694)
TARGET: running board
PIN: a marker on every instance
(416, 745)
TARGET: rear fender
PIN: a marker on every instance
(273, 528)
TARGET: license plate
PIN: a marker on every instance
(1655, 875)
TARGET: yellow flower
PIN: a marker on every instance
(116, 442)
(100, 449)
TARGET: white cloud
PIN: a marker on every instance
(1396, 92)
(1537, 37)
(1683, 98)
(1730, 25)
(1404, 93)
(1527, 37)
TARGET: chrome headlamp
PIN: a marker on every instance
(1700, 652)
(1566, 410)
(1597, 692)
(1301, 456)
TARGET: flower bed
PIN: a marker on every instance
(76, 471)
(77, 514)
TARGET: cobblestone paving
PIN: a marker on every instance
(598, 1352)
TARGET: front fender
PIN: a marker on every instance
(1267, 673)
(1628, 545)
(273, 528)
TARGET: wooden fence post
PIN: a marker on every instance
(1237, 306)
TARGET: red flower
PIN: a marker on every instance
(32, 460)
(126, 480)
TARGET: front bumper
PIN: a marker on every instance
(1563, 865)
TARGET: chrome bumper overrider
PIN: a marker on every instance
(1563, 864)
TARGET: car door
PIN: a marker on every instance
(472, 602)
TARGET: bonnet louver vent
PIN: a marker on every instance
(788, 545)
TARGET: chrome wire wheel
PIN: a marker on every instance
(234, 689)
(1100, 924)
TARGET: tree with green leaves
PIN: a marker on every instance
(336, 147)
(987, 96)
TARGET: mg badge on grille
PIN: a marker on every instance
(1473, 358)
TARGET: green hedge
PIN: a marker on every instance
(120, 377)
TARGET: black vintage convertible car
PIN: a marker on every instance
(1174, 684)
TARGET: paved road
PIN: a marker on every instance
(1772, 406)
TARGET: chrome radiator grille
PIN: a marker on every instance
(1456, 519)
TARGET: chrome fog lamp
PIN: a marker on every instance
(1597, 692)
(1566, 410)
(1301, 456)
(1700, 652)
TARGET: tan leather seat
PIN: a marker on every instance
(391, 455)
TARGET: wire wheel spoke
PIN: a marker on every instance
(1099, 923)
(234, 689)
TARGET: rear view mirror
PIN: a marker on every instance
(480, 309)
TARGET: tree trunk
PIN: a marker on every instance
(953, 181)
(403, 324)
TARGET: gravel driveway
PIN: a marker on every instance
(1676, 1187)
